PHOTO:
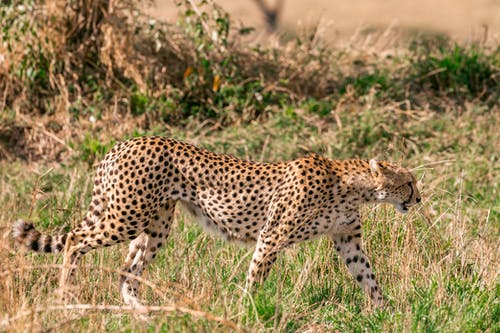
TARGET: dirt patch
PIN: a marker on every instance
(461, 19)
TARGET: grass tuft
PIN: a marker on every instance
(458, 71)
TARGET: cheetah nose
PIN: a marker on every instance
(418, 200)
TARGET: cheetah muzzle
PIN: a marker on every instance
(273, 205)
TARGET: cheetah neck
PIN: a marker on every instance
(356, 181)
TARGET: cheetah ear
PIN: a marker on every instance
(375, 168)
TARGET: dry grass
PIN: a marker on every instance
(105, 77)
(92, 64)
(438, 265)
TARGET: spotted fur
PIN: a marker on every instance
(138, 183)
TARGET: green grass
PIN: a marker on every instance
(438, 265)
(456, 70)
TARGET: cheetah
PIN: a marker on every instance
(271, 205)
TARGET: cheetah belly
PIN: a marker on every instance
(232, 231)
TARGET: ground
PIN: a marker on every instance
(460, 19)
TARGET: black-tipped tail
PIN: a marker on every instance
(24, 233)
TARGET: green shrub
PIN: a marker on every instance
(457, 71)
(92, 149)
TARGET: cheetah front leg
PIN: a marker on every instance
(350, 249)
(266, 251)
(277, 234)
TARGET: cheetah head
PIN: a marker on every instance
(395, 185)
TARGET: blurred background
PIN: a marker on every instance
(459, 19)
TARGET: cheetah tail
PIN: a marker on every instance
(24, 233)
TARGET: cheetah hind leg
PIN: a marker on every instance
(78, 243)
(128, 280)
(142, 250)
(71, 258)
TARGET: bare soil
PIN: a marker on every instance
(460, 19)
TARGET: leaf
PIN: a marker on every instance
(216, 83)
(187, 72)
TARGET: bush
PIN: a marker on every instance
(457, 71)
(87, 59)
